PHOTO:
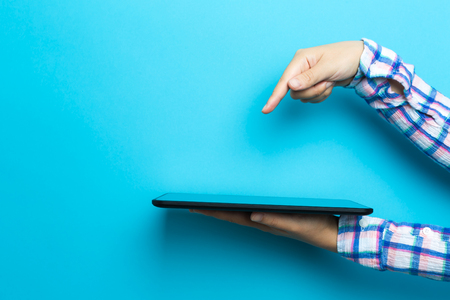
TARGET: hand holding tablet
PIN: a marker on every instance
(307, 220)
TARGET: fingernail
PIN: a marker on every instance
(330, 83)
(257, 217)
(294, 83)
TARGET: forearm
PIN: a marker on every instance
(415, 249)
(402, 98)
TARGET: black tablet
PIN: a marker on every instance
(262, 204)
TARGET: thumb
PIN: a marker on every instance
(283, 222)
(310, 77)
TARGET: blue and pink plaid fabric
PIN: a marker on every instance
(416, 249)
(422, 115)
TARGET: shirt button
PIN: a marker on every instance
(426, 231)
(363, 223)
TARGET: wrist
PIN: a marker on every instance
(332, 234)
(325, 235)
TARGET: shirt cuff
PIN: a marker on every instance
(356, 80)
(411, 248)
(377, 65)
(360, 240)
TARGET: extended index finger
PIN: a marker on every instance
(294, 68)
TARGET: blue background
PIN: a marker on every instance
(105, 105)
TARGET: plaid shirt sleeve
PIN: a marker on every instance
(416, 249)
(421, 114)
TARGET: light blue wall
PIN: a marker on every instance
(105, 105)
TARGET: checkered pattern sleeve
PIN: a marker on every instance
(421, 114)
(415, 249)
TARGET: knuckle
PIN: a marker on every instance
(307, 77)
(298, 52)
(270, 221)
(316, 92)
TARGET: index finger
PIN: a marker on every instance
(294, 68)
